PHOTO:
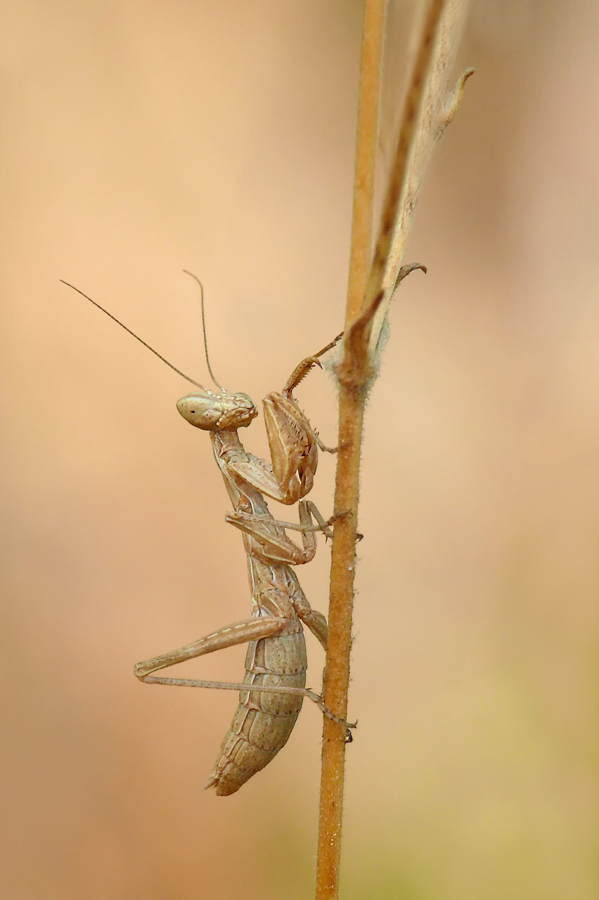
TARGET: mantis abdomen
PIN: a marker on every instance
(263, 722)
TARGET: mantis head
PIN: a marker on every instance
(217, 412)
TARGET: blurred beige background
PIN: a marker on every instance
(140, 138)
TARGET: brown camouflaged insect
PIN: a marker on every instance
(274, 685)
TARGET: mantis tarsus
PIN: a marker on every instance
(274, 685)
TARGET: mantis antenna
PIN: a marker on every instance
(141, 341)
(195, 278)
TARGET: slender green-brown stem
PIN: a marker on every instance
(348, 465)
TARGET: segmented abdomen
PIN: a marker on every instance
(263, 722)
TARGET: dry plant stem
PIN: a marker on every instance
(427, 110)
(351, 414)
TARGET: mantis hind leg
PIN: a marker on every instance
(253, 629)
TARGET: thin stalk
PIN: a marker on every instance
(428, 109)
(351, 415)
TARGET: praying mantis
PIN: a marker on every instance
(273, 689)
